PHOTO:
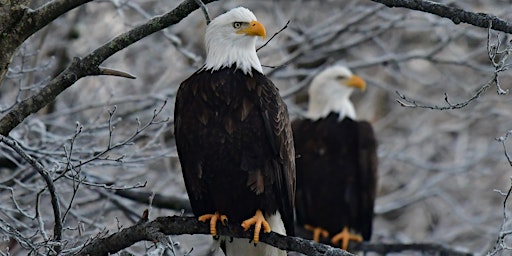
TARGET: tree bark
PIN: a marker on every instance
(89, 65)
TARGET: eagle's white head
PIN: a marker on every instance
(330, 92)
(231, 39)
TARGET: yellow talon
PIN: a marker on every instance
(213, 221)
(257, 220)
(317, 231)
(345, 236)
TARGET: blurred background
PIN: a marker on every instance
(440, 171)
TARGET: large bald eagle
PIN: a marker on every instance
(337, 163)
(234, 137)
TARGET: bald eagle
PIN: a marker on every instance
(234, 137)
(337, 163)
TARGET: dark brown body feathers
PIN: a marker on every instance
(336, 174)
(235, 145)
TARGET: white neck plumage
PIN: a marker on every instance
(238, 52)
(332, 99)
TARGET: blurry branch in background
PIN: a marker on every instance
(89, 65)
(18, 22)
(455, 14)
(176, 41)
(504, 232)
(64, 174)
(204, 9)
(499, 60)
(57, 227)
(424, 248)
(314, 39)
(274, 35)
(157, 200)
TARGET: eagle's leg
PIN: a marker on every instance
(213, 221)
(345, 236)
(317, 231)
(257, 220)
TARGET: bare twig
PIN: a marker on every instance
(158, 200)
(498, 59)
(411, 103)
(205, 11)
(113, 72)
(57, 228)
(500, 243)
(274, 35)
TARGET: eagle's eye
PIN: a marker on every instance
(237, 25)
(340, 77)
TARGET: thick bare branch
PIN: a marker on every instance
(455, 14)
(175, 225)
(23, 22)
(89, 65)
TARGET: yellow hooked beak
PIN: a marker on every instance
(357, 82)
(255, 28)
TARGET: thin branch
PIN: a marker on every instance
(205, 11)
(499, 245)
(47, 13)
(274, 35)
(455, 14)
(411, 103)
(158, 200)
(113, 72)
(57, 228)
(494, 52)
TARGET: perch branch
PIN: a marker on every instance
(158, 229)
(175, 225)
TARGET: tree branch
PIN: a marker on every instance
(158, 229)
(175, 225)
(57, 228)
(23, 22)
(455, 14)
(89, 65)
(160, 201)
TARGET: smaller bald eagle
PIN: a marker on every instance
(234, 138)
(337, 163)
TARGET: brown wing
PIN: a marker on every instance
(368, 163)
(279, 131)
